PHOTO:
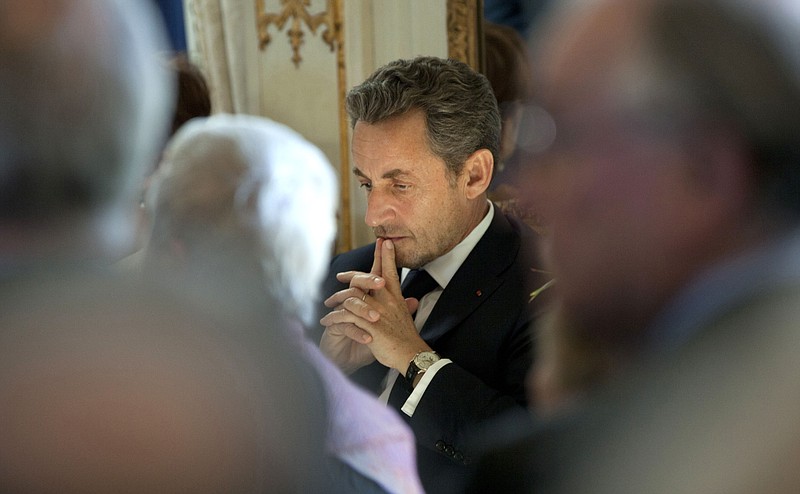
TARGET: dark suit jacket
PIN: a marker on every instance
(481, 323)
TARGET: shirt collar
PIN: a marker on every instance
(443, 268)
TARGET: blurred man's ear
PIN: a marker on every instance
(478, 170)
(721, 172)
(178, 249)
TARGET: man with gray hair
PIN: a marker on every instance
(670, 193)
(449, 353)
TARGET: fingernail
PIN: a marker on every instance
(373, 314)
(365, 338)
(389, 244)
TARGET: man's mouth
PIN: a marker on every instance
(382, 232)
(393, 239)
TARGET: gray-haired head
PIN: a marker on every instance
(460, 109)
(237, 179)
(85, 109)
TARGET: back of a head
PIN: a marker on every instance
(510, 71)
(194, 96)
(246, 183)
(460, 108)
(86, 108)
(508, 65)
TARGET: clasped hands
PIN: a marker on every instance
(370, 319)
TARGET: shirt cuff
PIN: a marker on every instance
(411, 403)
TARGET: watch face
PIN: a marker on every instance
(425, 359)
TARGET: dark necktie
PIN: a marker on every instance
(417, 283)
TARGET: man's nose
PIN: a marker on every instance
(380, 209)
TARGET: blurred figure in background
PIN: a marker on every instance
(670, 196)
(244, 198)
(194, 97)
(510, 72)
(193, 100)
(521, 15)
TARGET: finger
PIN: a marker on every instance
(412, 304)
(376, 261)
(361, 307)
(367, 282)
(389, 268)
(357, 334)
(339, 297)
(350, 331)
(344, 315)
(346, 276)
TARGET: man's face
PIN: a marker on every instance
(612, 190)
(411, 198)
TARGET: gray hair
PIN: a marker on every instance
(85, 108)
(460, 108)
(240, 179)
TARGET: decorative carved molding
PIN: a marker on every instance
(464, 32)
(297, 11)
(333, 36)
(345, 240)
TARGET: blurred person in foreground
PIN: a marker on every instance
(453, 356)
(85, 107)
(107, 385)
(670, 195)
(111, 387)
(249, 200)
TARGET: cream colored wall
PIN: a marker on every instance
(377, 32)
(223, 40)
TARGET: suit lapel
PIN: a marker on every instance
(482, 272)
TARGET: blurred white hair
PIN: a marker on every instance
(247, 176)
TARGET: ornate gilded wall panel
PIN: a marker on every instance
(465, 31)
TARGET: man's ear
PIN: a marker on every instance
(478, 171)
(178, 249)
(724, 174)
(714, 187)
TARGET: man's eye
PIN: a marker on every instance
(366, 186)
(402, 187)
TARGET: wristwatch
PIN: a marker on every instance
(419, 364)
